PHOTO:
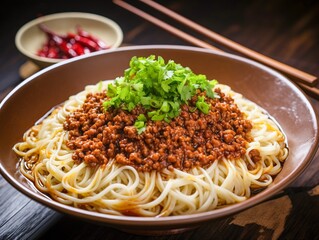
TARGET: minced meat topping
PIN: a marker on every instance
(191, 139)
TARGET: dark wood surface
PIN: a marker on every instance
(287, 31)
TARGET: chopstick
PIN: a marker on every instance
(288, 70)
(310, 90)
(166, 26)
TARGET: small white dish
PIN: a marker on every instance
(30, 38)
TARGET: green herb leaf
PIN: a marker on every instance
(140, 123)
(159, 87)
(202, 105)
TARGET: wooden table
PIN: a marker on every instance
(285, 30)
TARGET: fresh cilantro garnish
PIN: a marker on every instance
(140, 123)
(202, 105)
(159, 87)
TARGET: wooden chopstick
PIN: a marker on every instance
(165, 26)
(291, 72)
(312, 91)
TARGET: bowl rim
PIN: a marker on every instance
(85, 15)
(181, 219)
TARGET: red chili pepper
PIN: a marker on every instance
(78, 48)
(58, 41)
(66, 48)
(87, 43)
(86, 50)
(51, 35)
(83, 33)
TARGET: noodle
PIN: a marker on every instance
(123, 190)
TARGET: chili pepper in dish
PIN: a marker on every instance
(85, 34)
(69, 45)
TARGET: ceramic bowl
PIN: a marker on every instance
(30, 38)
(51, 86)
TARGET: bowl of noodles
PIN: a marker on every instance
(155, 139)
